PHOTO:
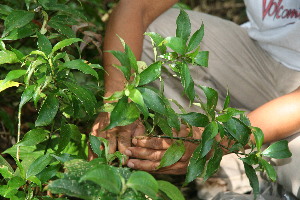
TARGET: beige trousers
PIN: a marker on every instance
(237, 63)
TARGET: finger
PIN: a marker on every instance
(140, 129)
(152, 143)
(124, 140)
(151, 166)
(111, 136)
(197, 132)
(144, 153)
(184, 131)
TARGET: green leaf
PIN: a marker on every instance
(17, 19)
(13, 74)
(238, 130)
(35, 180)
(269, 169)
(8, 85)
(183, 29)
(105, 176)
(9, 57)
(259, 137)
(95, 145)
(195, 119)
(227, 101)
(251, 174)
(81, 66)
(86, 98)
(170, 190)
(44, 44)
(228, 114)
(64, 43)
(5, 9)
(150, 74)
(26, 95)
(48, 111)
(16, 182)
(196, 39)
(201, 58)
(137, 98)
(143, 182)
(131, 58)
(187, 81)
(176, 44)
(214, 163)
(65, 137)
(4, 163)
(211, 98)
(23, 32)
(47, 173)
(210, 131)
(172, 154)
(62, 28)
(196, 166)
(157, 41)
(153, 100)
(5, 171)
(38, 165)
(33, 137)
(278, 150)
(123, 114)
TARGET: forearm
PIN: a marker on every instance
(278, 118)
(129, 20)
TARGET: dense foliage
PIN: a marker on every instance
(49, 55)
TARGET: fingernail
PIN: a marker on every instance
(134, 141)
(128, 152)
(130, 164)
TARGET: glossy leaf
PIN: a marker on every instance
(238, 130)
(210, 131)
(65, 43)
(26, 95)
(195, 119)
(7, 56)
(136, 96)
(176, 44)
(172, 154)
(48, 111)
(170, 190)
(81, 66)
(202, 58)
(187, 81)
(38, 165)
(17, 19)
(183, 28)
(143, 182)
(150, 74)
(131, 58)
(62, 28)
(85, 97)
(269, 169)
(44, 44)
(214, 163)
(278, 150)
(123, 114)
(33, 137)
(259, 137)
(153, 100)
(251, 174)
(196, 166)
(211, 98)
(228, 114)
(23, 32)
(105, 176)
(196, 39)
(157, 41)
(13, 74)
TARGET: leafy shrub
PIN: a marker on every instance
(51, 156)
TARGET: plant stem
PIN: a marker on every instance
(19, 133)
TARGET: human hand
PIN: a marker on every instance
(119, 138)
(147, 152)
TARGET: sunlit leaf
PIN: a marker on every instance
(172, 154)
(278, 150)
(170, 190)
(33, 137)
(183, 28)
